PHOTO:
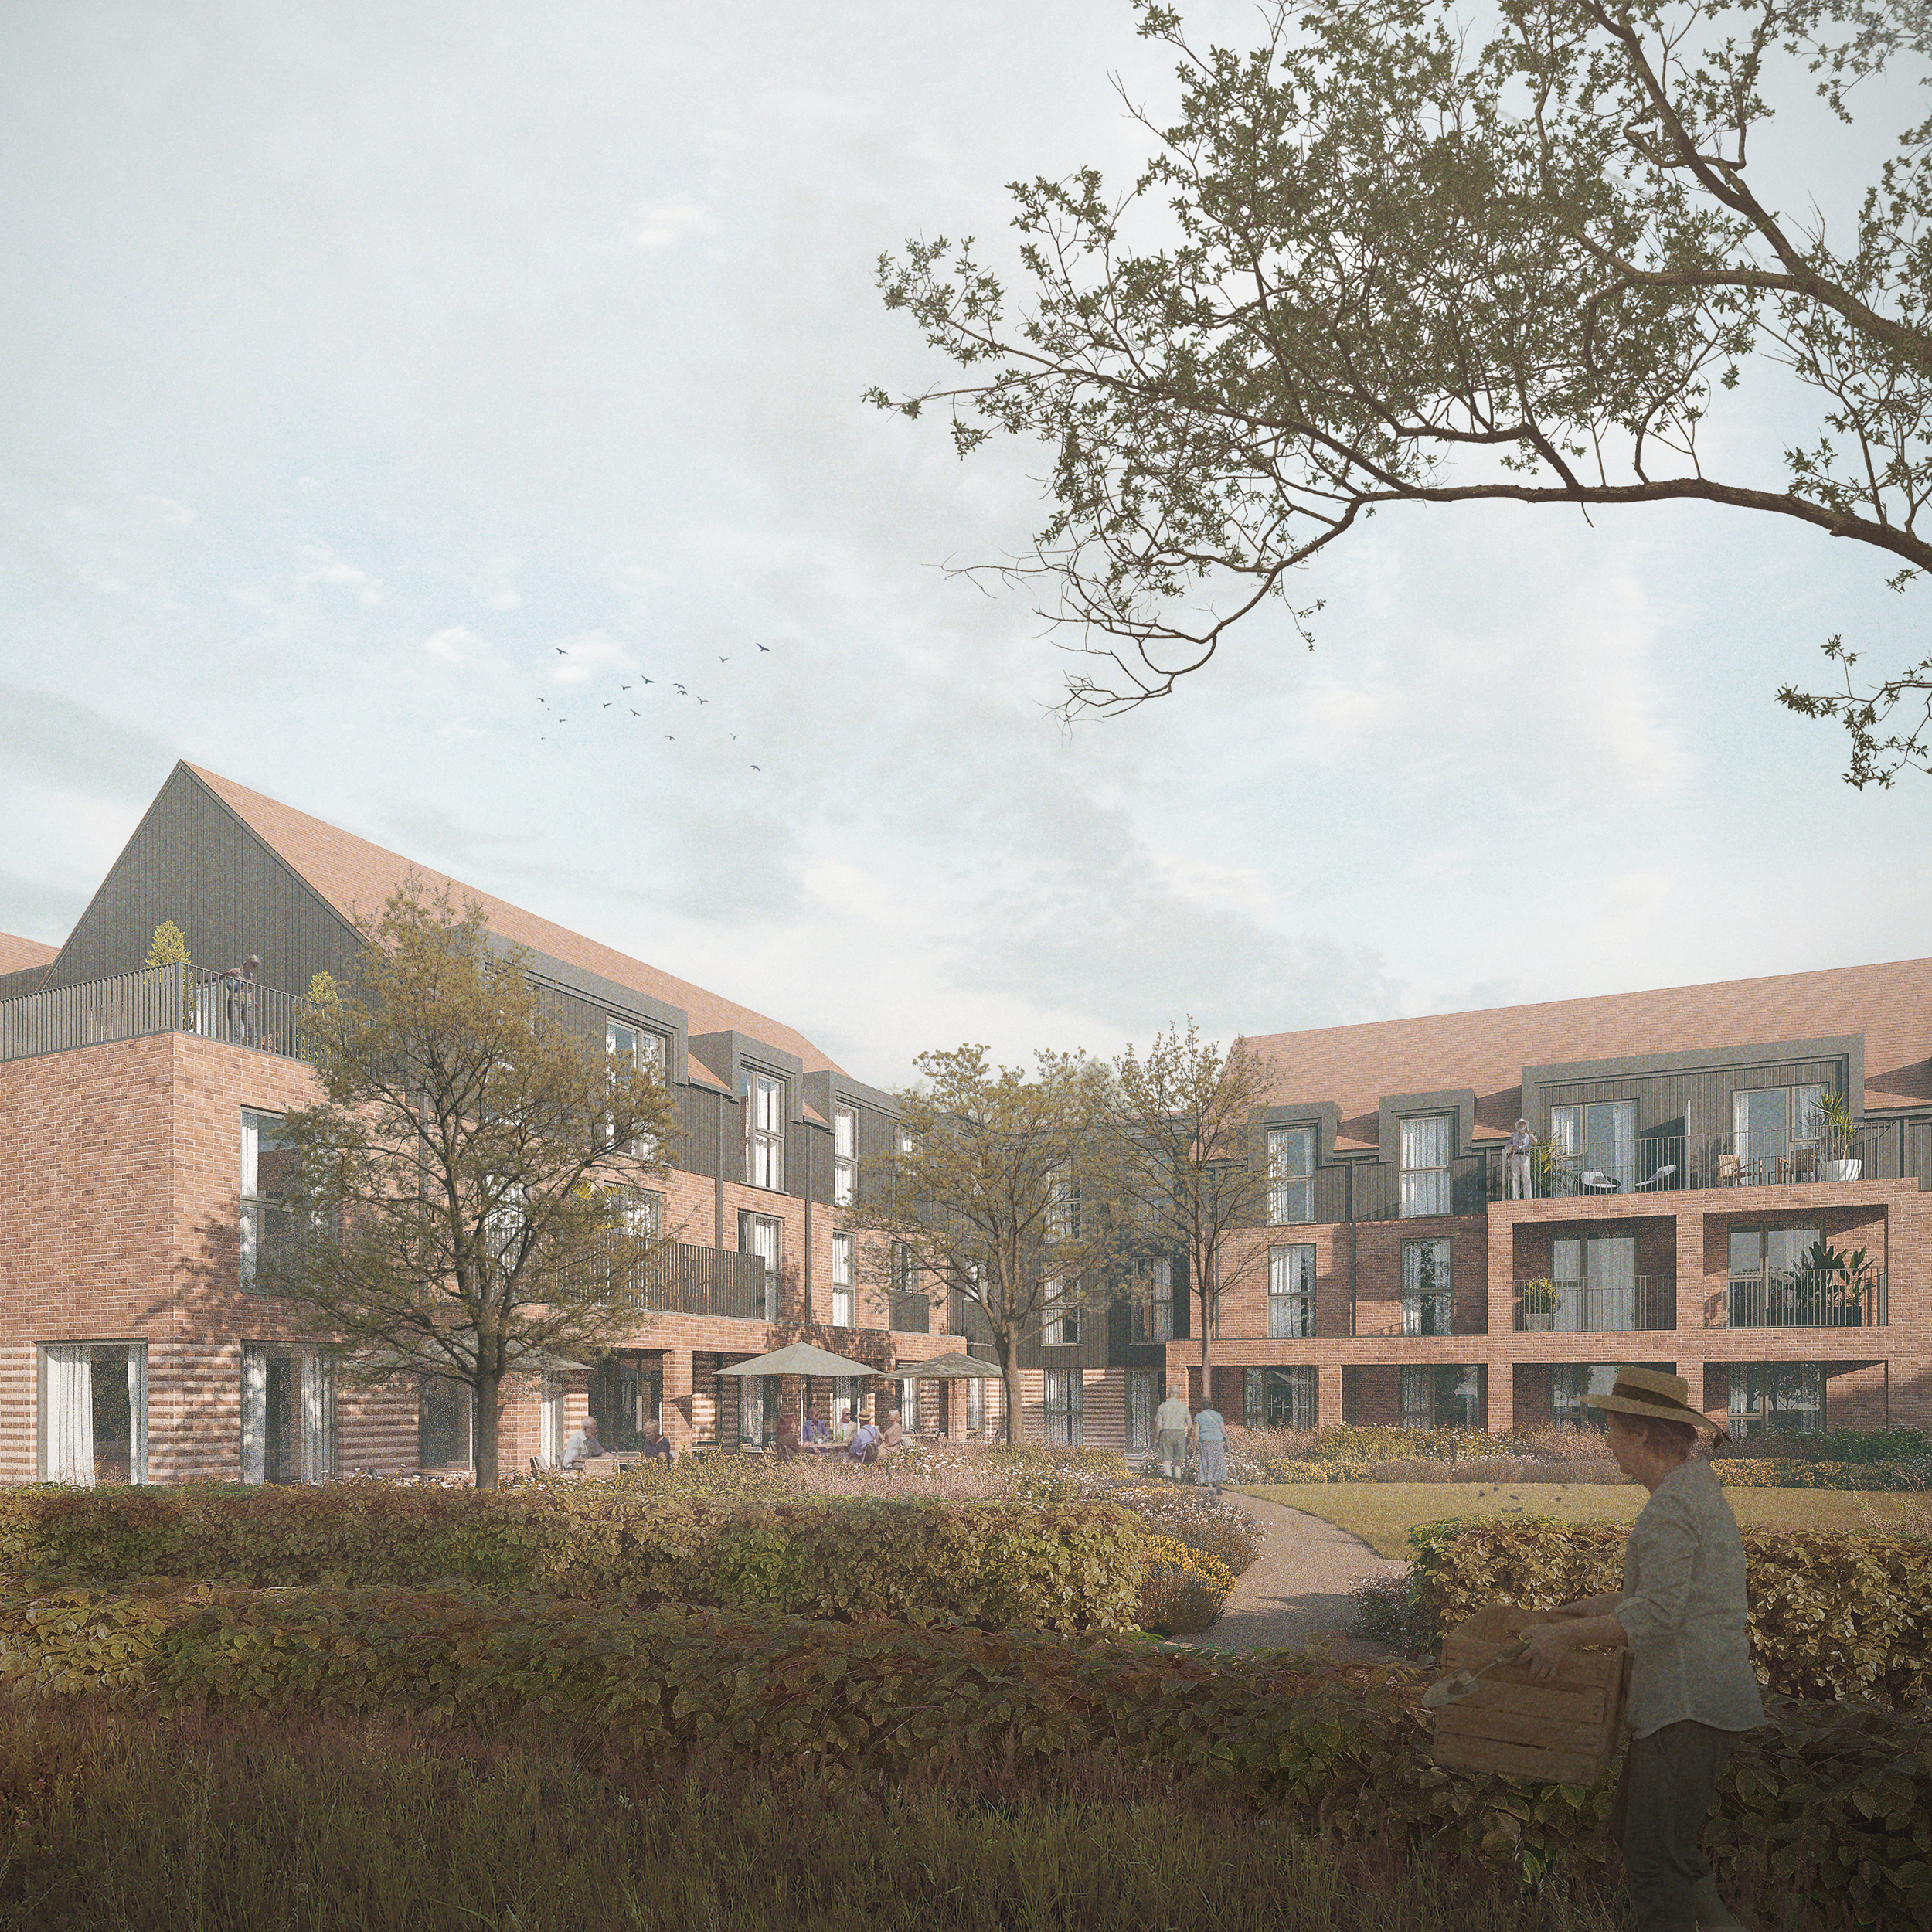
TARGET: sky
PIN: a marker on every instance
(387, 386)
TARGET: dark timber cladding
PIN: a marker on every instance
(192, 861)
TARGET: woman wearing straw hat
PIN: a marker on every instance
(1683, 1612)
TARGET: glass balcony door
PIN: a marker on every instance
(1595, 1276)
(1595, 1145)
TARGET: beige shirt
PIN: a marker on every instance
(1684, 1610)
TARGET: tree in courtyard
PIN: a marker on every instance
(983, 1196)
(1377, 261)
(168, 950)
(1182, 1168)
(469, 1185)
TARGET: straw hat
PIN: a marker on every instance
(1649, 1392)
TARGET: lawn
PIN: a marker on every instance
(1382, 1514)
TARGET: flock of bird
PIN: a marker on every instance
(639, 681)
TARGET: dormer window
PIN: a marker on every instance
(1290, 1175)
(764, 1101)
(1426, 1141)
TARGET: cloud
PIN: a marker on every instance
(317, 564)
(660, 226)
(454, 644)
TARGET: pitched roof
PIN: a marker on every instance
(1355, 1065)
(355, 876)
(17, 954)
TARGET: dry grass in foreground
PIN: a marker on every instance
(129, 1824)
(1382, 1514)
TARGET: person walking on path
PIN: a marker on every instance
(1210, 1439)
(1170, 1425)
(1683, 1612)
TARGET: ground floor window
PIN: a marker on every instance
(93, 1412)
(1064, 1408)
(1444, 1398)
(444, 1412)
(1279, 1398)
(551, 1434)
(975, 1387)
(1143, 1398)
(757, 1410)
(847, 1400)
(627, 1391)
(1769, 1398)
(908, 1399)
(288, 1414)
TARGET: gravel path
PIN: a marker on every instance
(1298, 1588)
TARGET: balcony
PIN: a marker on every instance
(1638, 1304)
(1808, 1300)
(156, 999)
(1662, 1163)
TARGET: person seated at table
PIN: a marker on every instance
(656, 1442)
(841, 1429)
(583, 1444)
(784, 1441)
(864, 1445)
(816, 1431)
(892, 1438)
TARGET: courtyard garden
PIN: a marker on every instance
(935, 1693)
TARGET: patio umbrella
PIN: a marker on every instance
(801, 1358)
(951, 1366)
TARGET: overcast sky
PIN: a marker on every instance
(354, 357)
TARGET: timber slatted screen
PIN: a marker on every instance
(1563, 1733)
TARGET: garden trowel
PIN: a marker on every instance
(1452, 1689)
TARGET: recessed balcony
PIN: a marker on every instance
(1636, 1303)
(1807, 1300)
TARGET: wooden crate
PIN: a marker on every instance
(1563, 1733)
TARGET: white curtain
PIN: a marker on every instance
(1612, 1280)
(138, 1413)
(71, 1414)
(317, 1392)
(254, 1415)
(550, 1446)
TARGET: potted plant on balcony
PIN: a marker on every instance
(1837, 1160)
(1537, 1305)
(1837, 1284)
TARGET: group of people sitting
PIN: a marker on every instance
(863, 1441)
(583, 1445)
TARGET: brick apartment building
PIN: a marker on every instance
(1670, 1214)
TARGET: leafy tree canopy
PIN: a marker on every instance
(469, 1181)
(1382, 258)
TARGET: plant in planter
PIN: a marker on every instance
(1838, 1142)
(1538, 1304)
(1839, 1282)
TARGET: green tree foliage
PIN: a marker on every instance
(983, 1195)
(1183, 1166)
(468, 1184)
(1380, 259)
(167, 947)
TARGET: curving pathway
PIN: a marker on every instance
(1298, 1588)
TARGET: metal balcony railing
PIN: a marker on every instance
(155, 999)
(1659, 1163)
(1645, 1302)
(1806, 1301)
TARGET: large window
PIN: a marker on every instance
(1595, 1144)
(1291, 1293)
(641, 1049)
(1061, 1327)
(907, 1398)
(1425, 1165)
(1064, 1207)
(1771, 1283)
(763, 1236)
(1575, 1385)
(1595, 1276)
(764, 1131)
(845, 1279)
(1770, 1398)
(1291, 1175)
(1428, 1290)
(910, 1313)
(1444, 1398)
(1064, 1408)
(266, 1158)
(1143, 1397)
(1278, 1398)
(975, 1387)
(757, 1410)
(444, 1411)
(1775, 1132)
(93, 1412)
(1162, 1284)
(627, 1391)
(845, 1156)
(288, 1414)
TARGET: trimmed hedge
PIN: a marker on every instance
(1831, 1616)
(1839, 1801)
(1071, 1567)
(1759, 1472)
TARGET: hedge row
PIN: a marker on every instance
(1756, 1472)
(1838, 1800)
(1831, 1616)
(1068, 1568)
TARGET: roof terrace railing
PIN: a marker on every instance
(155, 999)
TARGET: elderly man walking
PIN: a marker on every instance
(1171, 1423)
(1683, 1612)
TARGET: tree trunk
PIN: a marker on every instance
(1008, 1385)
(1208, 1296)
(488, 1397)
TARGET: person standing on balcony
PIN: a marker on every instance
(1515, 1162)
(1682, 1611)
(238, 1000)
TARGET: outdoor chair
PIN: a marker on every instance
(1734, 1171)
(1658, 1179)
(1594, 1180)
(1800, 1165)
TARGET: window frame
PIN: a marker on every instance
(845, 1155)
(1291, 1311)
(1283, 1203)
(1424, 1192)
(264, 1217)
(1429, 1309)
(767, 1100)
(55, 1354)
(1068, 1385)
(750, 1222)
(844, 1259)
